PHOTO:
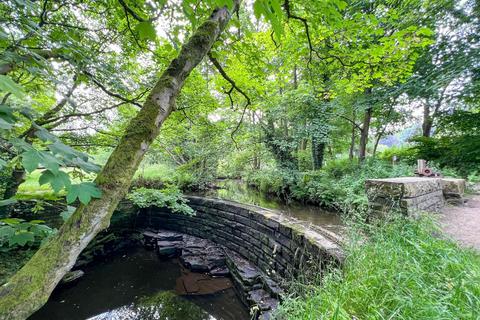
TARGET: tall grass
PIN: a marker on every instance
(403, 271)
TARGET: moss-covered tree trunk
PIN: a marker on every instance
(31, 287)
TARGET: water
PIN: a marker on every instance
(137, 285)
(236, 190)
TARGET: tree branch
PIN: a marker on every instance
(218, 66)
(110, 93)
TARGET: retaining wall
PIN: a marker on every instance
(280, 246)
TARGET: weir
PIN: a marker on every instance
(264, 249)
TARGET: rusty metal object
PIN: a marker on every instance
(424, 171)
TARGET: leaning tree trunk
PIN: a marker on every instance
(31, 287)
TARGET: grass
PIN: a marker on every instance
(403, 271)
(155, 171)
(30, 188)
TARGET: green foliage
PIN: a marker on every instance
(339, 185)
(83, 191)
(16, 233)
(457, 143)
(10, 263)
(170, 197)
(401, 271)
(51, 153)
(404, 153)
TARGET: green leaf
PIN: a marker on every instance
(146, 31)
(6, 232)
(8, 85)
(36, 221)
(31, 160)
(7, 202)
(7, 119)
(5, 125)
(21, 238)
(3, 163)
(66, 151)
(67, 213)
(57, 180)
(50, 162)
(12, 221)
(84, 191)
(44, 135)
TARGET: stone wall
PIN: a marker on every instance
(410, 195)
(279, 246)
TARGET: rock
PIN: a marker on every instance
(164, 243)
(194, 263)
(267, 315)
(263, 300)
(169, 252)
(164, 235)
(219, 272)
(453, 189)
(72, 276)
(246, 271)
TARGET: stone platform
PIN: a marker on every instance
(410, 195)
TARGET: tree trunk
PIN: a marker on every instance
(318, 151)
(377, 141)
(427, 121)
(352, 143)
(364, 134)
(31, 287)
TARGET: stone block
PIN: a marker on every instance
(404, 187)
(453, 188)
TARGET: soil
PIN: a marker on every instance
(462, 223)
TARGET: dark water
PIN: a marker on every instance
(236, 190)
(137, 285)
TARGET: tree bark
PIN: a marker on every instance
(364, 134)
(31, 287)
(427, 121)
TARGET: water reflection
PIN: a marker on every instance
(137, 285)
(162, 306)
(236, 190)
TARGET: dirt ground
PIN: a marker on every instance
(462, 222)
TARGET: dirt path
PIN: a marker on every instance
(462, 223)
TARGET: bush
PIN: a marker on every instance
(407, 154)
(170, 197)
(402, 272)
(340, 185)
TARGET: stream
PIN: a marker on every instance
(239, 191)
(138, 285)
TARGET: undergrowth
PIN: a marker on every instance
(340, 185)
(403, 271)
